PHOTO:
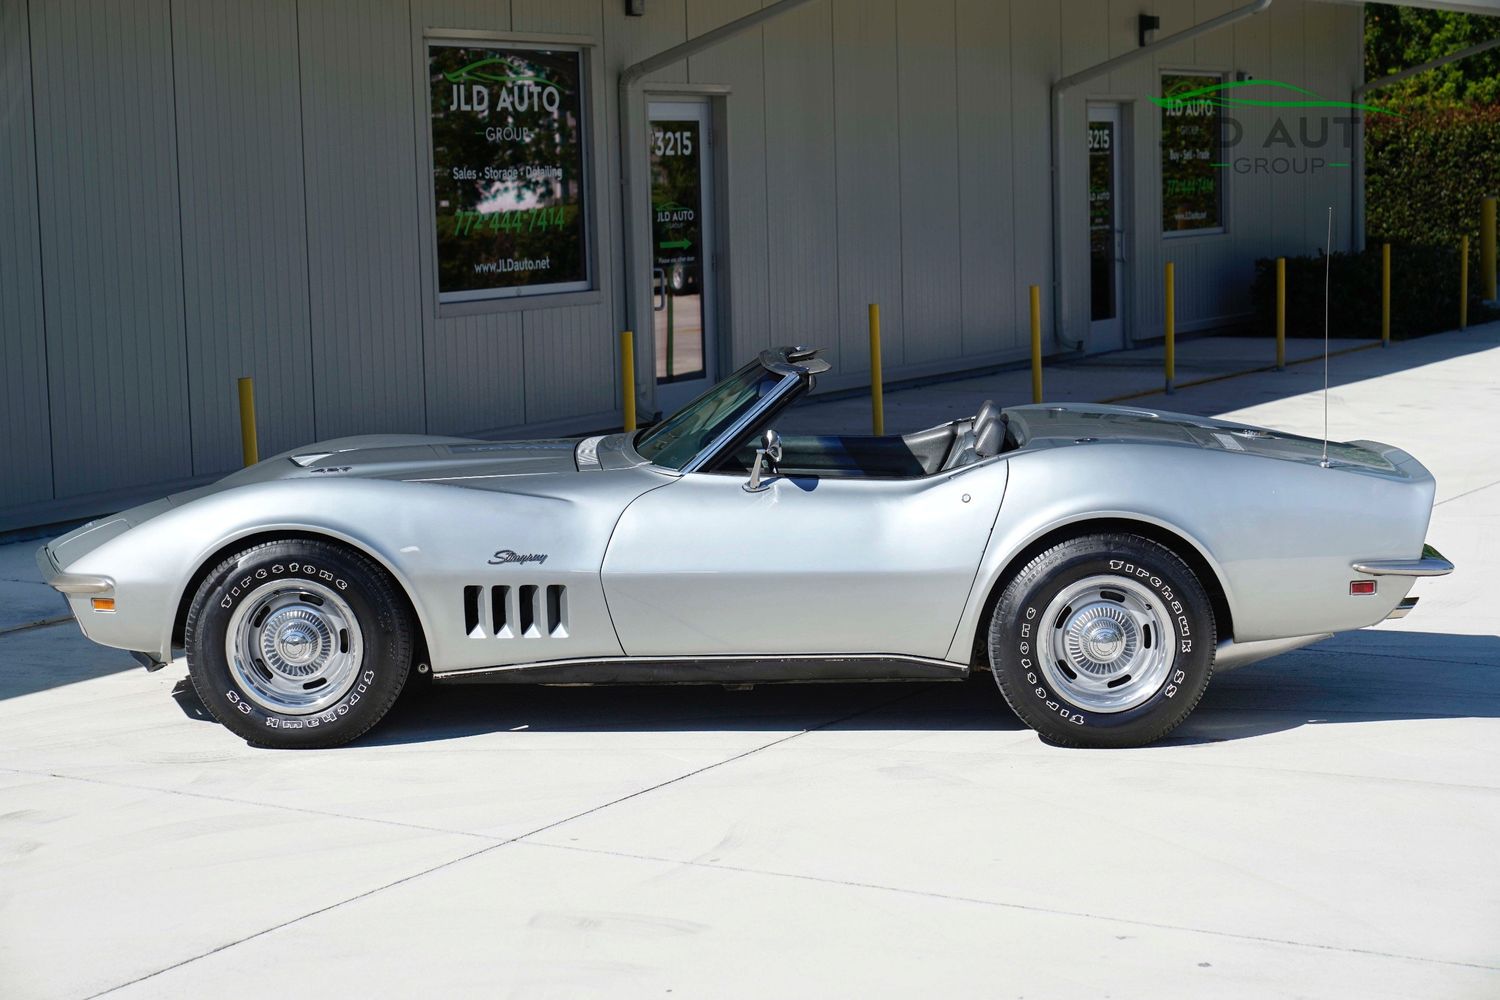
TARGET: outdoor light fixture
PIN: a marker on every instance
(1145, 23)
(635, 8)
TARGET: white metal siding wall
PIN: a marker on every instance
(244, 226)
(234, 189)
(867, 150)
(739, 64)
(801, 195)
(358, 137)
(1315, 45)
(110, 243)
(987, 237)
(25, 437)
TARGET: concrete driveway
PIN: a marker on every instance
(1325, 824)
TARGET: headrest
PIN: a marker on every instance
(991, 436)
(987, 412)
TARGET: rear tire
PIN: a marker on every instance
(298, 643)
(1104, 640)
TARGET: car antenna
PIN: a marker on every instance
(1327, 284)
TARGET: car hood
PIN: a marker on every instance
(454, 461)
(502, 466)
(1043, 426)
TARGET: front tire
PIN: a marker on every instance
(1104, 640)
(298, 643)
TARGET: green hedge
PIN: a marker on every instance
(1424, 294)
(1426, 175)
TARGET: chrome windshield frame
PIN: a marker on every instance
(795, 365)
(748, 419)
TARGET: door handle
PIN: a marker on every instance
(1120, 245)
(659, 291)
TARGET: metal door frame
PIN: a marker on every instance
(1117, 330)
(700, 107)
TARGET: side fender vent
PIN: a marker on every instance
(528, 611)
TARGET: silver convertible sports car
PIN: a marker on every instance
(1100, 561)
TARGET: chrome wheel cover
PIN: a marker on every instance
(1106, 643)
(294, 646)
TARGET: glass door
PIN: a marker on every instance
(1106, 230)
(682, 293)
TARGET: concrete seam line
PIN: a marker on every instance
(493, 847)
(303, 810)
(1230, 375)
(1024, 907)
(1366, 778)
(39, 623)
(1465, 493)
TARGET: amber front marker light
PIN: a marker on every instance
(104, 603)
(1355, 587)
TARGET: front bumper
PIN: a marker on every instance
(69, 583)
(78, 585)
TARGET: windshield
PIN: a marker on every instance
(674, 441)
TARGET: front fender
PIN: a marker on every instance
(434, 540)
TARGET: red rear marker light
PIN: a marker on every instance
(1361, 586)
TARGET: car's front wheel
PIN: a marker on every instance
(1103, 640)
(298, 643)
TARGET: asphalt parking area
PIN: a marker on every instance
(1324, 824)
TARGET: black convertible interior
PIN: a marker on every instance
(908, 456)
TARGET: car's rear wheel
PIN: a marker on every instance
(298, 643)
(1103, 640)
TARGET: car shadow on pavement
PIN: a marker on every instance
(52, 656)
(1357, 677)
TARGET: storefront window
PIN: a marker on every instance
(1192, 181)
(508, 176)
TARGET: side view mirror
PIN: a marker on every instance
(770, 449)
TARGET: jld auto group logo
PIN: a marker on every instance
(1305, 133)
(493, 83)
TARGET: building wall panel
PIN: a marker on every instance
(111, 258)
(868, 155)
(359, 142)
(210, 189)
(1034, 55)
(801, 182)
(244, 231)
(987, 253)
(26, 443)
(931, 280)
(739, 64)
(570, 367)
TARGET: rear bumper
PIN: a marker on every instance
(1431, 563)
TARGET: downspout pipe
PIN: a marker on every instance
(635, 180)
(1357, 189)
(1059, 93)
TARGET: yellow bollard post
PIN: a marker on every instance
(627, 376)
(877, 390)
(1385, 295)
(1487, 248)
(1280, 313)
(249, 446)
(1036, 344)
(1171, 328)
(1463, 282)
